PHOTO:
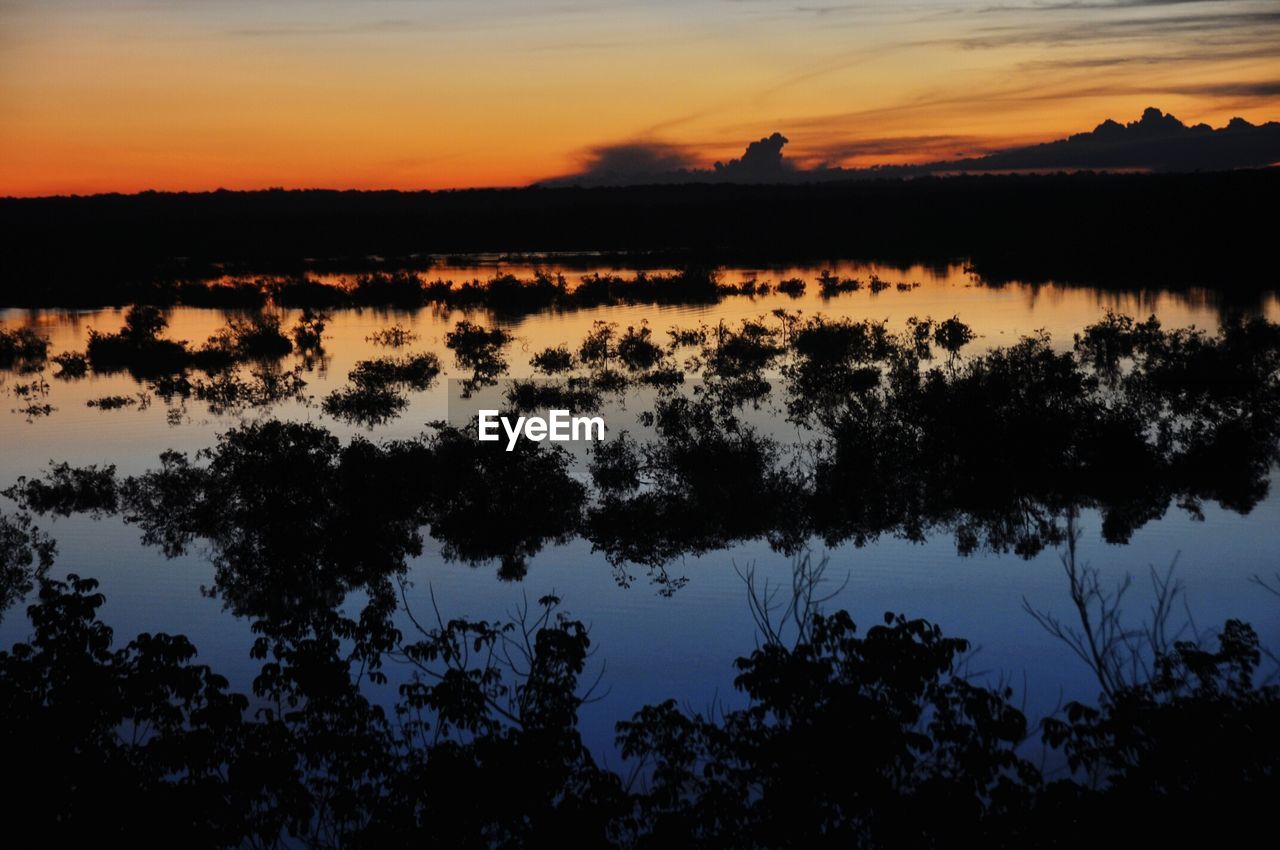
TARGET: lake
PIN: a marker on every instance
(669, 625)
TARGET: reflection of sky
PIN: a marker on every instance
(129, 94)
(653, 647)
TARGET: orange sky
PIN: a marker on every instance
(126, 95)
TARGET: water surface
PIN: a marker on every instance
(653, 643)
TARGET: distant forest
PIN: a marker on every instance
(1105, 229)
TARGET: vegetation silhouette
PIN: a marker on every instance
(1156, 142)
(26, 553)
(375, 395)
(116, 402)
(392, 337)
(156, 247)
(31, 395)
(22, 350)
(575, 394)
(138, 347)
(479, 349)
(230, 391)
(875, 739)
(892, 433)
(308, 333)
(71, 365)
(553, 360)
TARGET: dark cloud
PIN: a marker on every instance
(916, 147)
(631, 162)
(656, 162)
(1029, 90)
(1157, 142)
(1259, 89)
(761, 162)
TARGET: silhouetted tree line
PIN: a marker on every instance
(410, 289)
(1108, 229)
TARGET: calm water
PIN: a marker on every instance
(654, 646)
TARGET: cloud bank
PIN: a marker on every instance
(1157, 141)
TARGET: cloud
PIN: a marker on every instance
(1266, 88)
(925, 108)
(388, 25)
(1093, 5)
(1157, 141)
(644, 161)
(915, 147)
(1206, 53)
(761, 162)
(631, 162)
(1254, 24)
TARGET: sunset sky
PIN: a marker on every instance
(126, 95)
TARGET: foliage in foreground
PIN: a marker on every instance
(875, 739)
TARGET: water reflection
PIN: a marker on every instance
(894, 433)
(780, 426)
(872, 737)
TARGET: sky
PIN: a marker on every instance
(129, 95)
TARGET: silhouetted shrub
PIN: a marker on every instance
(67, 490)
(636, 350)
(831, 284)
(71, 365)
(112, 402)
(414, 371)
(374, 396)
(365, 404)
(952, 334)
(553, 361)
(478, 349)
(257, 337)
(392, 337)
(400, 289)
(137, 347)
(792, 286)
(22, 350)
(308, 333)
